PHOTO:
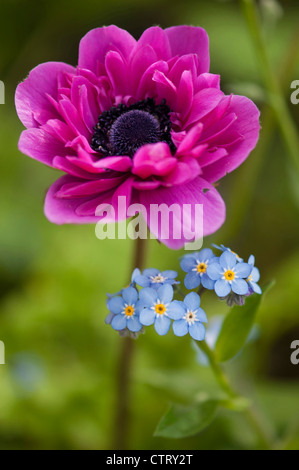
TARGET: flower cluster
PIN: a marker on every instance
(153, 302)
(228, 275)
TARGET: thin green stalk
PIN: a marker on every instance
(242, 189)
(201, 290)
(179, 291)
(286, 441)
(271, 83)
(225, 385)
(249, 172)
(217, 370)
(123, 379)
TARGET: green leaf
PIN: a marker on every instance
(237, 326)
(183, 421)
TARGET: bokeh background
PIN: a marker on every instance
(58, 387)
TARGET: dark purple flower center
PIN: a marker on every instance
(132, 130)
(124, 129)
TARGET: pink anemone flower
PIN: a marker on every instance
(142, 119)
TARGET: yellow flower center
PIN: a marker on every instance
(129, 310)
(201, 267)
(160, 309)
(229, 275)
(249, 278)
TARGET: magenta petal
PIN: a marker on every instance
(218, 112)
(203, 103)
(158, 40)
(97, 42)
(61, 163)
(147, 87)
(65, 211)
(73, 118)
(81, 144)
(186, 62)
(165, 88)
(83, 188)
(185, 94)
(89, 207)
(190, 39)
(218, 128)
(153, 159)
(197, 151)
(142, 58)
(122, 164)
(84, 98)
(187, 169)
(144, 185)
(32, 104)
(60, 130)
(122, 193)
(117, 71)
(212, 155)
(38, 144)
(207, 80)
(116, 203)
(190, 139)
(195, 192)
(246, 125)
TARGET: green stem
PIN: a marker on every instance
(125, 366)
(225, 385)
(271, 83)
(286, 442)
(179, 291)
(217, 370)
(249, 172)
(201, 290)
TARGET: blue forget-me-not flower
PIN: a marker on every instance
(159, 308)
(195, 265)
(192, 319)
(229, 275)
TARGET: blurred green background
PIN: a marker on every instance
(57, 389)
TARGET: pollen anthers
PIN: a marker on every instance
(201, 267)
(160, 309)
(129, 310)
(229, 275)
(123, 129)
